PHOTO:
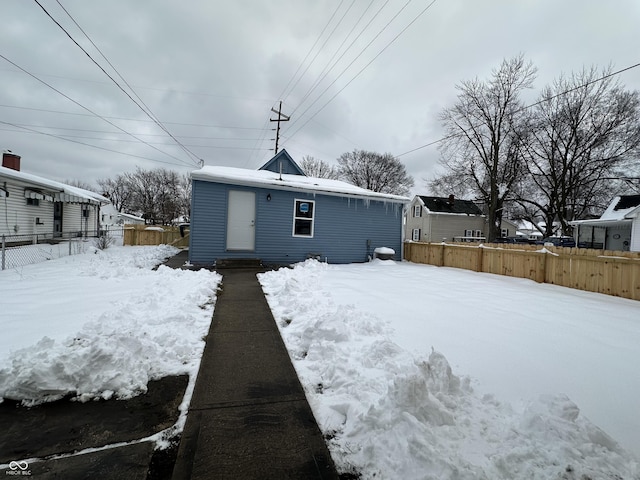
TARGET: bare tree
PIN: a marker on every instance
(382, 173)
(160, 195)
(184, 196)
(314, 167)
(481, 153)
(80, 184)
(584, 133)
(117, 190)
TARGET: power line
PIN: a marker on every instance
(31, 130)
(86, 108)
(165, 90)
(363, 68)
(326, 71)
(539, 102)
(137, 134)
(230, 127)
(321, 47)
(146, 109)
(310, 50)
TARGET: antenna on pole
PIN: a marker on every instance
(281, 118)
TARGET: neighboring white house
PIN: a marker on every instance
(128, 219)
(617, 229)
(32, 205)
(110, 217)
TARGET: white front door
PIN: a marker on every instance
(241, 220)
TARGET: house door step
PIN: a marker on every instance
(238, 263)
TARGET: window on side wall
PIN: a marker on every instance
(415, 235)
(417, 210)
(303, 215)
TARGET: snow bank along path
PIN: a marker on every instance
(361, 339)
(101, 324)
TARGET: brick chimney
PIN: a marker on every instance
(452, 199)
(10, 160)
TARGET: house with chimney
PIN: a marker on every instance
(35, 209)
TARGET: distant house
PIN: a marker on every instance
(278, 215)
(129, 219)
(508, 228)
(617, 229)
(443, 219)
(42, 208)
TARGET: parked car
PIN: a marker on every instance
(520, 240)
(558, 241)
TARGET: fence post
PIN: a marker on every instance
(70, 242)
(3, 250)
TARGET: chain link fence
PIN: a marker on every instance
(20, 250)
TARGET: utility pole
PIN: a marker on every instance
(281, 118)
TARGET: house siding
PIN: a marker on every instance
(345, 229)
(635, 235)
(439, 227)
(73, 221)
(18, 218)
(445, 227)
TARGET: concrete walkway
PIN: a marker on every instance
(249, 417)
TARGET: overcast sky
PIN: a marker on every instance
(210, 72)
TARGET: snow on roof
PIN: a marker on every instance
(620, 207)
(450, 205)
(267, 179)
(128, 215)
(53, 185)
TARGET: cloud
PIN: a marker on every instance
(212, 71)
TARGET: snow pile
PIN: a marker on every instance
(392, 413)
(107, 324)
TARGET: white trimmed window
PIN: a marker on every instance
(415, 235)
(468, 233)
(303, 216)
(504, 232)
(417, 210)
(478, 233)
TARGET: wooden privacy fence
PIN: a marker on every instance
(611, 273)
(155, 235)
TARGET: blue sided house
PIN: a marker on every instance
(278, 215)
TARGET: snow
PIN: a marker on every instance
(613, 213)
(384, 251)
(415, 371)
(101, 324)
(268, 179)
(53, 185)
(412, 371)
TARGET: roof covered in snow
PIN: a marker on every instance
(620, 207)
(268, 179)
(53, 186)
(450, 205)
(282, 162)
(622, 210)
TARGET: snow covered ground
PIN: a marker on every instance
(101, 324)
(534, 368)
